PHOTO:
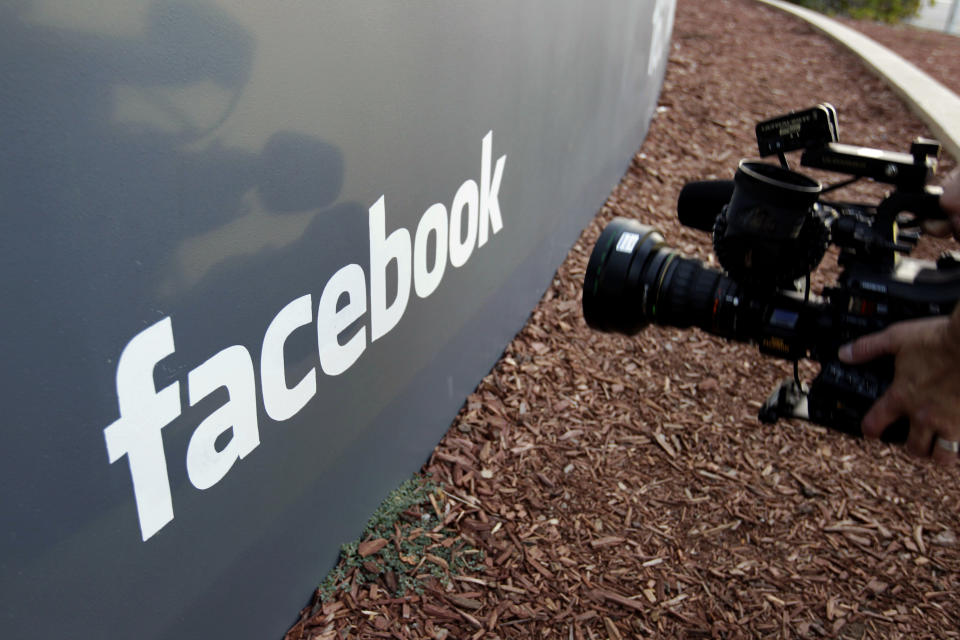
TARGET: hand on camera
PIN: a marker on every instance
(950, 203)
(926, 383)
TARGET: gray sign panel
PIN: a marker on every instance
(255, 255)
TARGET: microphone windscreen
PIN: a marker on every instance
(700, 203)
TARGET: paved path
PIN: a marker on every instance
(937, 106)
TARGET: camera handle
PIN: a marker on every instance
(838, 398)
(879, 242)
(924, 205)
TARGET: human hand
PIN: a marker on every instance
(950, 203)
(926, 383)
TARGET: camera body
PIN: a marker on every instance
(771, 227)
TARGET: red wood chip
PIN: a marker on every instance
(370, 547)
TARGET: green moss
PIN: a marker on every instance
(417, 544)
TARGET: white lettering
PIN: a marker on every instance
(489, 190)
(383, 250)
(434, 220)
(335, 358)
(466, 196)
(231, 431)
(280, 401)
(144, 411)
(231, 368)
(663, 15)
(874, 286)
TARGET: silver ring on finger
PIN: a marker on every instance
(948, 445)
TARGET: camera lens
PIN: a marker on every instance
(634, 279)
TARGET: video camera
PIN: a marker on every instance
(771, 228)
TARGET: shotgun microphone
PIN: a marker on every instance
(701, 202)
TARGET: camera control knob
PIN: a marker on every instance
(908, 237)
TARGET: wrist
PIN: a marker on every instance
(950, 200)
(952, 330)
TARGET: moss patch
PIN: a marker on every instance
(404, 542)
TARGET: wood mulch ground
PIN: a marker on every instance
(623, 487)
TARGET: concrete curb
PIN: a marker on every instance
(936, 105)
